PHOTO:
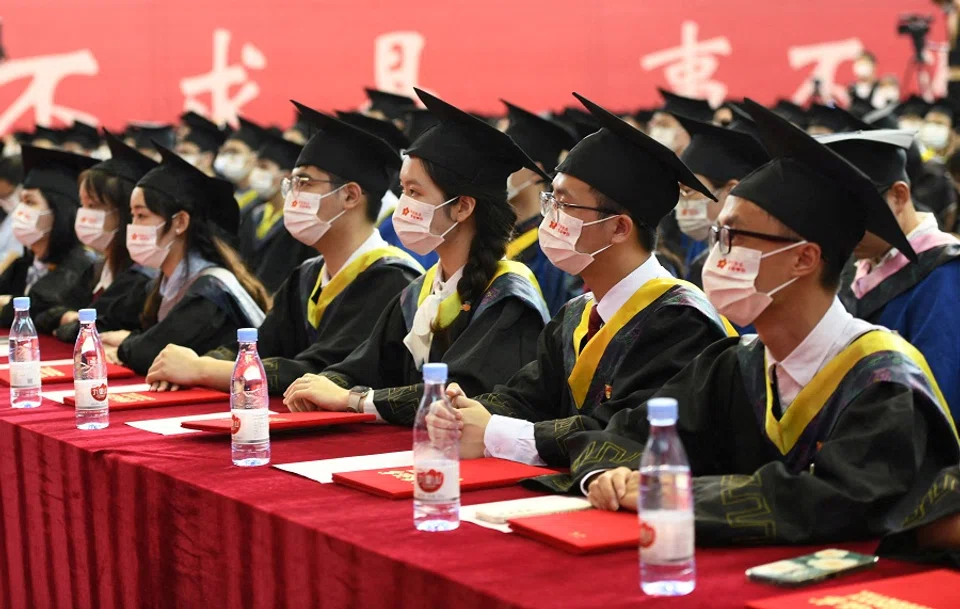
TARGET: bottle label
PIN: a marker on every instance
(666, 536)
(251, 425)
(24, 374)
(91, 394)
(437, 481)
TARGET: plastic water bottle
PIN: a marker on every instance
(436, 461)
(24, 357)
(667, 566)
(90, 375)
(249, 405)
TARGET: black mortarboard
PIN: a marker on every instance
(815, 192)
(883, 118)
(145, 134)
(943, 106)
(743, 122)
(301, 126)
(202, 132)
(719, 153)
(54, 170)
(643, 116)
(385, 130)
(349, 153)
(881, 154)
(913, 106)
(86, 136)
(582, 123)
(392, 105)
(792, 112)
(198, 194)
(46, 133)
(124, 162)
(541, 138)
(630, 167)
(835, 119)
(469, 147)
(282, 152)
(697, 109)
(418, 121)
(860, 107)
(250, 133)
(22, 137)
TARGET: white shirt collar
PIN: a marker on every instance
(373, 242)
(627, 287)
(448, 287)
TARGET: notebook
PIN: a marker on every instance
(285, 422)
(931, 590)
(582, 532)
(134, 400)
(51, 375)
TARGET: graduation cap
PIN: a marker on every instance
(913, 106)
(385, 130)
(943, 106)
(279, 150)
(348, 152)
(719, 153)
(202, 132)
(301, 126)
(392, 105)
(418, 121)
(54, 170)
(145, 134)
(46, 133)
(541, 138)
(643, 115)
(743, 123)
(697, 109)
(198, 194)
(881, 154)
(883, 118)
(630, 167)
(22, 137)
(86, 136)
(250, 133)
(816, 192)
(792, 112)
(582, 123)
(469, 147)
(124, 162)
(835, 119)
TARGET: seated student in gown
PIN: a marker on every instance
(612, 348)
(55, 271)
(331, 302)
(820, 428)
(921, 301)
(200, 142)
(237, 158)
(11, 185)
(205, 293)
(546, 141)
(474, 311)
(266, 247)
(101, 225)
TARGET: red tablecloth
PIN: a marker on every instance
(127, 519)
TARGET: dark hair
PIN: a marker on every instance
(868, 55)
(374, 203)
(11, 169)
(114, 192)
(646, 236)
(833, 264)
(494, 219)
(63, 236)
(202, 238)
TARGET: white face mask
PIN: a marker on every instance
(263, 181)
(102, 153)
(887, 95)
(89, 226)
(665, 135)
(412, 220)
(300, 216)
(144, 247)
(935, 135)
(693, 218)
(863, 69)
(26, 221)
(233, 166)
(910, 124)
(12, 149)
(8, 204)
(513, 192)
(729, 282)
(558, 238)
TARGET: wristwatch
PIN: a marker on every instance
(356, 397)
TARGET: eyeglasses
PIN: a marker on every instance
(549, 203)
(724, 235)
(298, 184)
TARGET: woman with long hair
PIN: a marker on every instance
(474, 311)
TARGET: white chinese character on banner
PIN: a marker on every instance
(218, 81)
(45, 73)
(827, 58)
(396, 61)
(690, 67)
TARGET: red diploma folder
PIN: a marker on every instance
(475, 474)
(583, 532)
(933, 590)
(151, 399)
(53, 375)
(283, 422)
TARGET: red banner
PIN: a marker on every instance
(109, 62)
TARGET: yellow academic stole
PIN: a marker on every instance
(581, 377)
(812, 398)
(246, 198)
(270, 217)
(344, 278)
(521, 243)
(451, 306)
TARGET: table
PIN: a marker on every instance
(127, 519)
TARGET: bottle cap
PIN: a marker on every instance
(88, 315)
(662, 409)
(247, 335)
(435, 373)
(21, 303)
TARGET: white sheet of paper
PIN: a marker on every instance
(322, 470)
(171, 426)
(53, 362)
(58, 396)
(534, 506)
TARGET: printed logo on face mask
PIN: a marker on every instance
(560, 228)
(413, 214)
(298, 204)
(735, 265)
(140, 237)
(88, 220)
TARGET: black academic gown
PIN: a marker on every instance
(482, 347)
(119, 306)
(566, 390)
(66, 287)
(289, 344)
(273, 258)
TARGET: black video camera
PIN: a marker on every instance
(916, 27)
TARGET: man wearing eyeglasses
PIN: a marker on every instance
(612, 348)
(821, 428)
(327, 306)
